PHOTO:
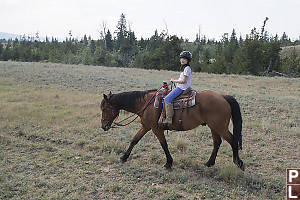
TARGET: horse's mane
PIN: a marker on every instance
(128, 100)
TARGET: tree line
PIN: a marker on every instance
(257, 54)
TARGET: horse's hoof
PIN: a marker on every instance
(168, 166)
(240, 164)
(209, 164)
(123, 159)
(243, 168)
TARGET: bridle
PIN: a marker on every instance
(113, 111)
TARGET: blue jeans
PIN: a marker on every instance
(172, 95)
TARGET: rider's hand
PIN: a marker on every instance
(173, 80)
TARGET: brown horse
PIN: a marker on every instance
(211, 108)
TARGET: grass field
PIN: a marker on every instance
(52, 146)
(287, 51)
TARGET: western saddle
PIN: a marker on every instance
(185, 100)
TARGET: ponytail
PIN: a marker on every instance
(183, 66)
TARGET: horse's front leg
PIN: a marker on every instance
(161, 137)
(143, 130)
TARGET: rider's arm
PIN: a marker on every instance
(180, 81)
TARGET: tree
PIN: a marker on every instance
(167, 55)
(1, 50)
(92, 46)
(196, 61)
(85, 40)
(109, 41)
(6, 55)
(271, 55)
(251, 52)
(204, 60)
(142, 44)
(100, 56)
(285, 40)
(121, 31)
(291, 64)
(86, 56)
(229, 52)
(257, 54)
(263, 34)
(155, 41)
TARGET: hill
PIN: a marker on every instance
(8, 36)
(287, 51)
(52, 146)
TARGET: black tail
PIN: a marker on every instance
(236, 120)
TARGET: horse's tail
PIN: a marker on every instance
(236, 120)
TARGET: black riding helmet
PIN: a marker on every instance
(187, 55)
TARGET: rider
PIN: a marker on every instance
(183, 83)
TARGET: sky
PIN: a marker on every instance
(183, 18)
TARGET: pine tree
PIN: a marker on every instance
(155, 41)
(121, 31)
(229, 52)
(263, 34)
(85, 40)
(109, 41)
(251, 52)
(291, 64)
(196, 61)
(1, 50)
(167, 54)
(92, 46)
(142, 44)
(15, 50)
(285, 40)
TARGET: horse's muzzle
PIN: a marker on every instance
(106, 127)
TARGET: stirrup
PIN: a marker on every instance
(167, 122)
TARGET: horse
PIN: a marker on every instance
(211, 108)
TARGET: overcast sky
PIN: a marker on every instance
(183, 18)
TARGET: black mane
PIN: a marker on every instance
(128, 100)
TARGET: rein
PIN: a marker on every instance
(142, 110)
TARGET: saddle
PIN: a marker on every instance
(185, 100)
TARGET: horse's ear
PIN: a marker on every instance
(105, 97)
(110, 93)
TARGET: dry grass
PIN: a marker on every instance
(52, 147)
(287, 51)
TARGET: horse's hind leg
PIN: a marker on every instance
(217, 142)
(234, 145)
(134, 141)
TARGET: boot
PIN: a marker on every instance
(169, 114)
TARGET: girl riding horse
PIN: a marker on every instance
(213, 109)
(183, 83)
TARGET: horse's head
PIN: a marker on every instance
(109, 112)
